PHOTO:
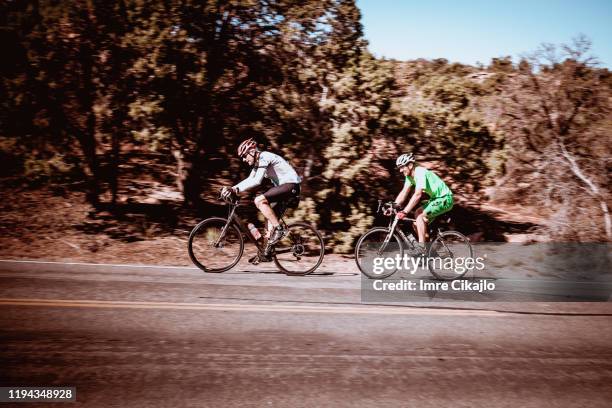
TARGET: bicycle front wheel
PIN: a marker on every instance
(300, 251)
(213, 250)
(448, 254)
(372, 250)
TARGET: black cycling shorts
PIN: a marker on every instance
(282, 193)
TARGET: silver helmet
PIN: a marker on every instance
(404, 159)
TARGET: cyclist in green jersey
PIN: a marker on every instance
(424, 180)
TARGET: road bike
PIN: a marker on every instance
(442, 251)
(217, 244)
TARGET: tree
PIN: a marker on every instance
(210, 73)
(441, 108)
(363, 125)
(557, 126)
(68, 70)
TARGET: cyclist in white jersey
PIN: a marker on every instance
(284, 178)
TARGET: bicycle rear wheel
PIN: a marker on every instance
(371, 246)
(300, 251)
(212, 252)
(447, 255)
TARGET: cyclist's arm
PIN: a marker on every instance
(401, 197)
(254, 180)
(416, 198)
(419, 180)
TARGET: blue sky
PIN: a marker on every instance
(471, 31)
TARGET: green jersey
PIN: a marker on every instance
(429, 182)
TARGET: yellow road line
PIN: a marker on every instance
(241, 307)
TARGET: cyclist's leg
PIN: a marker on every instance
(438, 206)
(269, 229)
(263, 205)
(276, 194)
(435, 208)
(278, 210)
(421, 224)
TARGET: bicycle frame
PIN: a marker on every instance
(392, 228)
(233, 218)
(409, 240)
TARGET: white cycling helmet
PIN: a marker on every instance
(404, 159)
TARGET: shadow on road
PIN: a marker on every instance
(275, 271)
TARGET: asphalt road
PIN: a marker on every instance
(129, 336)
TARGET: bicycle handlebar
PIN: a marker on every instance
(389, 204)
(231, 199)
(394, 209)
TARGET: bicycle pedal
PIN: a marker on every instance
(254, 260)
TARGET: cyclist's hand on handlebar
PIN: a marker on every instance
(400, 215)
(390, 208)
(227, 193)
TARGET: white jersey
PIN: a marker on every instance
(271, 166)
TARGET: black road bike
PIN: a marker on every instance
(390, 242)
(217, 244)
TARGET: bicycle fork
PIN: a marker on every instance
(224, 230)
(445, 246)
(388, 237)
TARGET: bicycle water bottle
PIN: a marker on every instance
(254, 231)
